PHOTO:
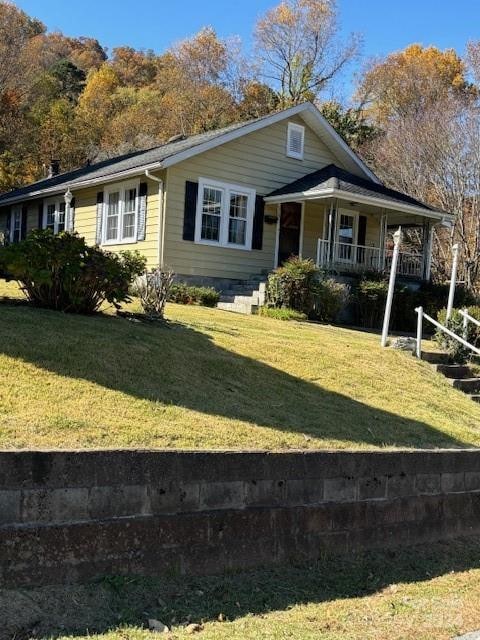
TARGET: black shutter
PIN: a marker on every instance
(142, 211)
(40, 214)
(190, 211)
(361, 238)
(98, 232)
(257, 235)
(23, 227)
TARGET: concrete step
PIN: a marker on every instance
(238, 307)
(467, 385)
(435, 357)
(458, 371)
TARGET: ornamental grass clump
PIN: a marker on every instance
(62, 272)
(153, 289)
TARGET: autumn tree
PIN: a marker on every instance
(299, 49)
(351, 123)
(408, 82)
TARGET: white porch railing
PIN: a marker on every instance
(356, 257)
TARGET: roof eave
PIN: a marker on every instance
(81, 184)
(322, 194)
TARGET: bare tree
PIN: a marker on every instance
(299, 49)
(435, 156)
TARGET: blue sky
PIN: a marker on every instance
(386, 25)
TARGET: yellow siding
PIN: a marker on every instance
(258, 161)
(313, 225)
(86, 215)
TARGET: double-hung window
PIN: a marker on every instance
(16, 223)
(224, 214)
(54, 214)
(120, 214)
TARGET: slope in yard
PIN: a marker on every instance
(209, 379)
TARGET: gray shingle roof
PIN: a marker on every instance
(332, 177)
(130, 161)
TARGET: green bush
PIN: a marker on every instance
(292, 286)
(457, 352)
(62, 272)
(282, 313)
(329, 299)
(370, 298)
(300, 286)
(182, 293)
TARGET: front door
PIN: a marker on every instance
(289, 233)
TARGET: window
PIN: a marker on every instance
(295, 140)
(16, 223)
(120, 214)
(224, 214)
(54, 215)
(347, 237)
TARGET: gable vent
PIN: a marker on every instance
(295, 140)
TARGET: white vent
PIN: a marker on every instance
(295, 140)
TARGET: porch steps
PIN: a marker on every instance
(460, 376)
(246, 297)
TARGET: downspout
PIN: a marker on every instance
(161, 218)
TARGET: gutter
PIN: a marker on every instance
(347, 195)
(62, 187)
(161, 217)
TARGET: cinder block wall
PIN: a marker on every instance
(72, 516)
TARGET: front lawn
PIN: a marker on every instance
(422, 593)
(210, 379)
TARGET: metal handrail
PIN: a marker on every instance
(466, 316)
(449, 332)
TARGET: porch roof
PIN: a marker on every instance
(332, 181)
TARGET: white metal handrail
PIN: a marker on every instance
(438, 325)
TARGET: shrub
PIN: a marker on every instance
(330, 298)
(62, 272)
(282, 313)
(292, 286)
(457, 352)
(153, 289)
(182, 293)
(370, 301)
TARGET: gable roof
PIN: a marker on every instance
(172, 153)
(332, 180)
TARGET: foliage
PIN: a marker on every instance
(410, 81)
(350, 123)
(331, 297)
(153, 289)
(62, 272)
(282, 313)
(298, 45)
(370, 298)
(292, 286)
(182, 293)
(457, 352)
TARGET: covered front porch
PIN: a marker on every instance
(346, 223)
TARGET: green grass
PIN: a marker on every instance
(210, 379)
(422, 593)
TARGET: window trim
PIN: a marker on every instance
(14, 209)
(122, 188)
(57, 201)
(226, 188)
(293, 126)
(352, 214)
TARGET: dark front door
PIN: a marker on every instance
(289, 236)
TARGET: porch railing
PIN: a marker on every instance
(356, 257)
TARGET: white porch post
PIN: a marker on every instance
(397, 239)
(453, 281)
(428, 249)
(381, 241)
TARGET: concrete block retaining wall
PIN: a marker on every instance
(72, 516)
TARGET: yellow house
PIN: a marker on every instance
(228, 205)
